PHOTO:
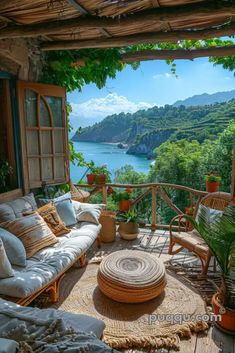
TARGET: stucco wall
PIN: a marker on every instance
(21, 58)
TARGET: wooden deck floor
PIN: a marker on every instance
(157, 243)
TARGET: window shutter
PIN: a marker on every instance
(44, 134)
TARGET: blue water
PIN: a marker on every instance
(104, 153)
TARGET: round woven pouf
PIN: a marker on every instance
(131, 276)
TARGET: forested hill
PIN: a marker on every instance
(145, 130)
(205, 99)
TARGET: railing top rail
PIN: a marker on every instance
(156, 185)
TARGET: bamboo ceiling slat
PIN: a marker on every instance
(123, 31)
(177, 2)
(28, 12)
(82, 34)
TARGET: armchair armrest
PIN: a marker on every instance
(182, 223)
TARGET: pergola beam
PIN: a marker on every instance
(208, 11)
(140, 38)
(173, 54)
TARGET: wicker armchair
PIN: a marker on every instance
(184, 237)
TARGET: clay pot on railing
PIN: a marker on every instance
(124, 205)
(90, 178)
(101, 179)
(212, 186)
(212, 182)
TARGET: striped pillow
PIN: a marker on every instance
(33, 231)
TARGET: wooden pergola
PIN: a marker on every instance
(81, 24)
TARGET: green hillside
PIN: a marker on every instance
(145, 130)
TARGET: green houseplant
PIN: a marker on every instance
(123, 198)
(98, 174)
(220, 237)
(5, 171)
(128, 225)
(212, 182)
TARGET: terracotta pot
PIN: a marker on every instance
(124, 205)
(90, 178)
(101, 179)
(212, 186)
(128, 230)
(227, 322)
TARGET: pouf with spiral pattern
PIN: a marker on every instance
(131, 276)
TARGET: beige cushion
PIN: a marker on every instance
(192, 241)
(53, 220)
(15, 209)
(5, 266)
(87, 212)
(33, 231)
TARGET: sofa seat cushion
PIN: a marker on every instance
(192, 241)
(78, 322)
(16, 208)
(49, 262)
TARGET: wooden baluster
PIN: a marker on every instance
(154, 207)
(104, 194)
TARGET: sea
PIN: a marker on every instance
(109, 154)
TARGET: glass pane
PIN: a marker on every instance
(46, 143)
(34, 169)
(31, 107)
(32, 142)
(59, 141)
(44, 114)
(47, 173)
(59, 168)
(56, 108)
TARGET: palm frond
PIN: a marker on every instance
(220, 237)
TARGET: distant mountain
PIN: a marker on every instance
(206, 99)
(147, 129)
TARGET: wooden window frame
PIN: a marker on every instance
(51, 91)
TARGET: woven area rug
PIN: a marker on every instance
(135, 325)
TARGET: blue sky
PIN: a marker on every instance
(152, 84)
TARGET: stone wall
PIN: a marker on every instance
(21, 58)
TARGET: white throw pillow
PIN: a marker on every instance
(5, 266)
(88, 212)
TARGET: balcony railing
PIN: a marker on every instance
(154, 192)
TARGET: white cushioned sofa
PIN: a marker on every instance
(44, 269)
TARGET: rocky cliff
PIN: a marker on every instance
(149, 141)
(145, 130)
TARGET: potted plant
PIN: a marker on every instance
(212, 182)
(220, 237)
(128, 226)
(123, 198)
(102, 174)
(99, 175)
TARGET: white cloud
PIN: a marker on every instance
(165, 75)
(102, 107)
